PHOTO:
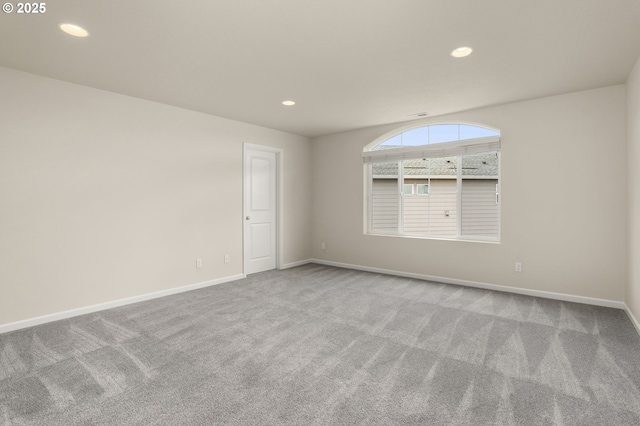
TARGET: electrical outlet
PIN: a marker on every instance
(198, 263)
(518, 267)
(323, 246)
(226, 258)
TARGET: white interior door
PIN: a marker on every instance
(260, 183)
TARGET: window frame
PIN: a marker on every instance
(404, 187)
(423, 194)
(445, 149)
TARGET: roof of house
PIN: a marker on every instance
(482, 164)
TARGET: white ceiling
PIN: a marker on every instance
(347, 63)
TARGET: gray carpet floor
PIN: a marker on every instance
(321, 345)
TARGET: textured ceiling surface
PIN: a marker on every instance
(347, 63)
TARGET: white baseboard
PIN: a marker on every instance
(294, 264)
(486, 286)
(5, 328)
(633, 319)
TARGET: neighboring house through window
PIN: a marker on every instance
(436, 181)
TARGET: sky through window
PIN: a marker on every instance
(436, 133)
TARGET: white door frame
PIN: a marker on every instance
(279, 205)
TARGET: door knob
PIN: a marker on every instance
(248, 218)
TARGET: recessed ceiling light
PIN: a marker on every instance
(74, 30)
(419, 114)
(461, 52)
(288, 103)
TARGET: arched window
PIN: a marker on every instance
(437, 181)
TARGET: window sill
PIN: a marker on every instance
(420, 237)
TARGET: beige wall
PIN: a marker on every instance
(104, 196)
(563, 172)
(633, 162)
